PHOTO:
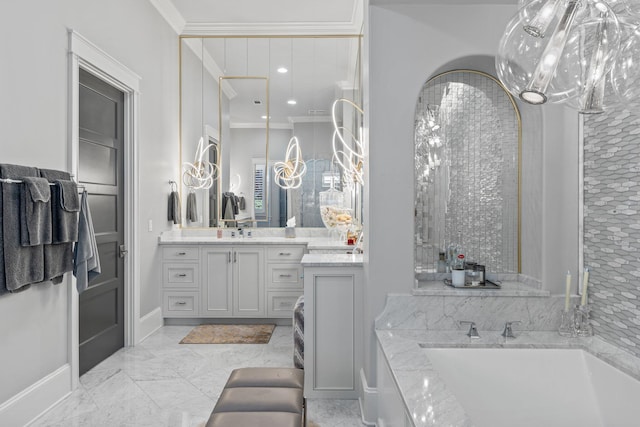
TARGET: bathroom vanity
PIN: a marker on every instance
(257, 277)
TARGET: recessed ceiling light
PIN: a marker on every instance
(282, 70)
(292, 102)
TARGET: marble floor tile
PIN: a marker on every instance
(163, 383)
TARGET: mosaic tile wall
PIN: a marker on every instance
(466, 170)
(612, 225)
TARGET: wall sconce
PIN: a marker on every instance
(350, 157)
(289, 173)
(201, 173)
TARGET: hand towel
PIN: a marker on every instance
(35, 212)
(174, 211)
(192, 209)
(86, 262)
(20, 265)
(58, 257)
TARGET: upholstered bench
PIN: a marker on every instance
(261, 397)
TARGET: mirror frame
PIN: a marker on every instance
(266, 185)
(519, 142)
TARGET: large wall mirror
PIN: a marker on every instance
(245, 98)
(467, 168)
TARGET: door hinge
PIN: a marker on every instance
(122, 251)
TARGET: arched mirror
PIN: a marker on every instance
(467, 170)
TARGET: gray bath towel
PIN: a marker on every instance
(35, 212)
(86, 262)
(21, 265)
(174, 211)
(192, 208)
(58, 257)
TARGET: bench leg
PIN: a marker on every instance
(304, 412)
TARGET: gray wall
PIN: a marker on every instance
(612, 225)
(405, 45)
(33, 119)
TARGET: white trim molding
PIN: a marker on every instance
(271, 29)
(37, 399)
(170, 14)
(84, 54)
(150, 322)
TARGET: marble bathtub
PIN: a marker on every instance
(537, 387)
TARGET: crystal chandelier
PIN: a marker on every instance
(583, 53)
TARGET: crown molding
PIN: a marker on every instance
(175, 19)
(211, 66)
(272, 29)
(170, 14)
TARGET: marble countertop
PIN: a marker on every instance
(508, 289)
(332, 260)
(425, 394)
(312, 242)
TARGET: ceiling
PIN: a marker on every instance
(318, 67)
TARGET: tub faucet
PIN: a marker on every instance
(473, 331)
(508, 331)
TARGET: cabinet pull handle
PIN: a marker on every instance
(285, 275)
(181, 303)
(181, 275)
(235, 257)
(182, 253)
(285, 253)
(229, 253)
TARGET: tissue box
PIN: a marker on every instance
(289, 232)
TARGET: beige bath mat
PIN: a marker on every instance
(229, 334)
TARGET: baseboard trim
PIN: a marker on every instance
(149, 323)
(38, 398)
(368, 401)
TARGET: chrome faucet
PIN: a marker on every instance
(473, 331)
(508, 330)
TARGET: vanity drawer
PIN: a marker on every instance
(181, 304)
(288, 276)
(180, 275)
(285, 253)
(175, 253)
(280, 303)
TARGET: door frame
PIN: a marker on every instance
(84, 54)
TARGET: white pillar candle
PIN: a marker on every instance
(585, 286)
(567, 291)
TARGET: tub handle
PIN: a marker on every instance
(473, 331)
(508, 330)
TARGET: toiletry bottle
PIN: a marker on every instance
(219, 232)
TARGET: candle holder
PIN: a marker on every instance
(567, 324)
(582, 321)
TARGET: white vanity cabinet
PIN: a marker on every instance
(181, 281)
(333, 326)
(232, 281)
(232, 278)
(284, 279)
